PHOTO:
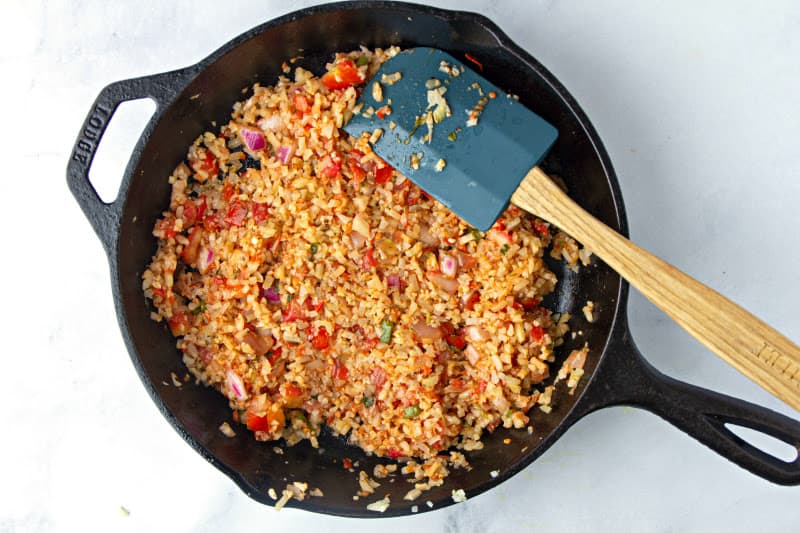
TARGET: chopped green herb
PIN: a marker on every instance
(452, 136)
(476, 234)
(411, 411)
(419, 121)
(362, 60)
(301, 416)
(289, 297)
(368, 401)
(314, 247)
(504, 249)
(387, 328)
(200, 308)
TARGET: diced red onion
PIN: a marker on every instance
(448, 265)
(261, 344)
(476, 333)
(426, 237)
(236, 385)
(576, 359)
(445, 283)
(465, 261)
(357, 239)
(271, 295)
(285, 153)
(252, 138)
(501, 403)
(204, 259)
(471, 354)
(393, 280)
(424, 331)
(378, 378)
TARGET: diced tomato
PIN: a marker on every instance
(482, 385)
(293, 312)
(456, 341)
(339, 370)
(367, 345)
(201, 209)
(189, 253)
(189, 214)
(466, 261)
(315, 305)
(347, 463)
(274, 354)
(330, 166)
(320, 340)
(158, 291)
(301, 104)
(205, 166)
(167, 225)
(260, 212)
(383, 174)
(378, 378)
(537, 332)
(541, 228)
(447, 328)
(369, 260)
(344, 74)
(236, 214)
(227, 191)
(178, 324)
(529, 304)
(394, 453)
(356, 171)
(274, 418)
(293, 391)
(383, 111)
(257, 423)
(470, 301)
(212, 222)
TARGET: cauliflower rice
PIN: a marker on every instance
(312, 285)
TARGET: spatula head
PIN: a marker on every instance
(472, 167)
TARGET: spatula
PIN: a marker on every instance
(474, 147)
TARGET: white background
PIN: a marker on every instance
(698, 107)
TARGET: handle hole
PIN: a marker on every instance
(766, 443)
(117, 145)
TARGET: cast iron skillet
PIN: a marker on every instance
(189, 99)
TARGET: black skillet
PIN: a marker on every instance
(189, 99)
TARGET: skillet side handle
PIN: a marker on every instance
(630, 380)
(105, 217)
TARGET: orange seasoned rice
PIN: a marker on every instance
(313, 285)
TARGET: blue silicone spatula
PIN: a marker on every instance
(475, 148)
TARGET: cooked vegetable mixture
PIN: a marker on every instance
(313, 285)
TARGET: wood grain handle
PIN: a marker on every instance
(748, 344)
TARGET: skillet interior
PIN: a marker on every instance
(196, 412)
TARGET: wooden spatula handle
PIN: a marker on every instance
(738, 337)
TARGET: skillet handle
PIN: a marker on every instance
(105, 217)
(628, 379)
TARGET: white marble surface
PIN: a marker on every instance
(698, 107)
